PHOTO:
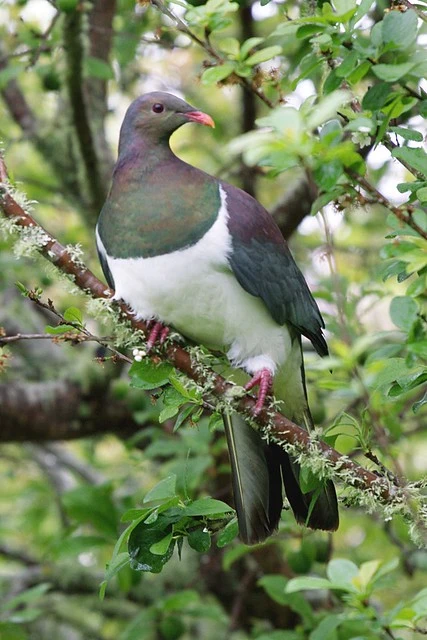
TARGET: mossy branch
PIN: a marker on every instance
(368, 488)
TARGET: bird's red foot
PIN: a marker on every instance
(264, 379)
(158, 333)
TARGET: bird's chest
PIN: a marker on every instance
(182, 288)
(150, 218)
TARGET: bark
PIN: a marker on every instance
(43, 411)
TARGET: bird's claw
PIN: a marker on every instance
(264, 379)
(158, 333)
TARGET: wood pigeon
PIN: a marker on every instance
(183, 248)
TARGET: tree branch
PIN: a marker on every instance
(73, 45)
(296, 205)
(100, 41)
(403, 212)
(274, 425)
(44, 411)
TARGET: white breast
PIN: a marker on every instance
(195, 291)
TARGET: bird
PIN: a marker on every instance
(185, 249)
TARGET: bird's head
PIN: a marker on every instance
(157, 115)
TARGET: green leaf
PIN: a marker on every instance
(403, 312)
(393, 369)
(418, 405)
(230, 46)
(207, 507)
(73, 314)
(327, 108)
(164, 489)
(29, 596)
(307, 30)
(359, 72)
(402, 187)
(325, 198)
(76, 544)
(168, 412)
(422, 194)
(341, 572)
(248, 45)
(182, 416)
(399, 29)
(67, 6)
(97, 68)
(144, 536)
(392, 72)
(181, 600)
(199, 540)
(275, 586)
(147, 375)
(11, 631)
(327, 174)
(304, 583)
(10, 73)
(230, 531)
(414, 156)
(327, 628)
(120, 561)
(160, 548)
(93, 505)
(376, 96)
(61, 328)
(348, 64)
(212, 75)
(408, 134)
(263, 55)
(332, 82)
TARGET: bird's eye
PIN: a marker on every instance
(158, 108)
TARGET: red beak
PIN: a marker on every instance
(200, 117)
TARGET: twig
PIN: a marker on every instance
(74, 464)
(66, 337)
(75, 85)
(398, 211)
(35, 54)
(82, 334)
(57, 479)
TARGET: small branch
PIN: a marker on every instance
(17, 105)
(81, 335)
(295, 205)
(63, 337)
(74, 464)
(54, 474)
(398, 211)
(35, 53)
(74, 50)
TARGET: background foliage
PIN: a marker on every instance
(319, 109)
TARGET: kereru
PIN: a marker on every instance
(183, 248)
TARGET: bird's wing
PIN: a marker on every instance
(102, 255)
(264, 267)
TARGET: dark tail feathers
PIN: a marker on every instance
(258, 470)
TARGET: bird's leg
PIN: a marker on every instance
(264, 379)
(158, 333)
